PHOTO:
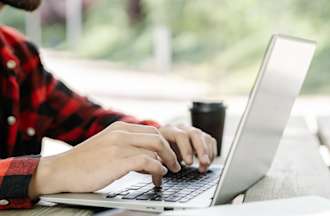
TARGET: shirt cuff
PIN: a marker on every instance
(15, 177)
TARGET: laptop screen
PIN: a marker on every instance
(258, 135)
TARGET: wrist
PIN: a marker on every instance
(44, 179)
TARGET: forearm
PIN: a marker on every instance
(45, 179)
(75, 118)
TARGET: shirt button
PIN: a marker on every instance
(11, 120)
(4, 202)
(30, 131)
(11, 64)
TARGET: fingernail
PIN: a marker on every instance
(205, 159)
(190, 160)
(202, 169)
(164, 170)
(178, 166)
(157, 181)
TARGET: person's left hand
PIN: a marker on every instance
(188, 141)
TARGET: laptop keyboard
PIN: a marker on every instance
(176, 187)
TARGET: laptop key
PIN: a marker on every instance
(167, 193)
(147, 196)
(157, 198)
(185, 199)
(130, 196)
(134, 194)
(111, 195)
(173, 198)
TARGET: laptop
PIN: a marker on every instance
(281, 76)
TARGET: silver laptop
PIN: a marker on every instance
(279, 81)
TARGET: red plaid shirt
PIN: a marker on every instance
(35, 105)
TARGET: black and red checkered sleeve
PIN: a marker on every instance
(73, 118)
(15, 175)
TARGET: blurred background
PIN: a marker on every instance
(151, 58)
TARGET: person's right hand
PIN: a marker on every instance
(104, 158)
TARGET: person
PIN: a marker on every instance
(107, 144)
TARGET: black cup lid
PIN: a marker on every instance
(207, 106)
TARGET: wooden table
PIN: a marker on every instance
(297, 170)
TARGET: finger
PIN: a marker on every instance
(199, 144)
(134, 151)
(215, 147)
(156, 143)
(201, 149)
(211, 146)
(144, 163)
(181, 140)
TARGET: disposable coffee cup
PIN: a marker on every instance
(210, 118)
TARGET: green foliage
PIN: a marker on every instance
(227, 36)
(109, 35)
(12, 17)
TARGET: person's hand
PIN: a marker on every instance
(188, 141)
(104, 158)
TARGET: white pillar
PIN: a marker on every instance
(73, 21)
(162, 48)
(33, 26)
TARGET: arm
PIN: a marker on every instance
(71, 117)
(43, 94)
(109, 154)
(75, 118)
(62, 114)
